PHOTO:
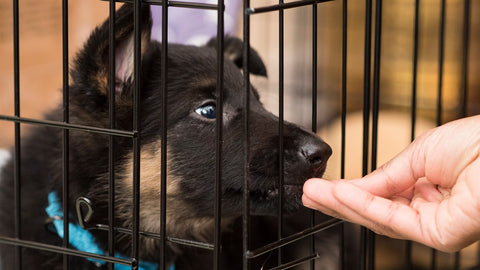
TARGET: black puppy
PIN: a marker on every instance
(191, 159)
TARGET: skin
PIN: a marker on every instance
(429, 193)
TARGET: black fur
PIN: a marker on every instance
(191, 158)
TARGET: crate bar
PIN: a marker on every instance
(314, 66)
(376, 81)
(366, 114)
(314, 107)
(441, 53)
(375, 112)
(66, 139)
(297, 262)
(413, 111)
(219, 138)
(464, 86)
(136, 126)
(456, 260)
(344, 86)
(465, 57)
(367, 83)
(62, 250)
(190, 243)
(246, 143)
(157, 236)
(111, 139)
(180, 4)
(343, 120)
(164, 145)
(284, 6)
(416, 25)
(281, 102)
(17, 165)
(48, 123)
(441, 56)
(293, 238)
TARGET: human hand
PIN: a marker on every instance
(429, 193)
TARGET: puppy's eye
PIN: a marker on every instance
(207, 111)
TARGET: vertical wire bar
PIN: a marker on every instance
(465, 56)
(314, 108)
(163, 167)
(456, 260)
(281, 101)
(464, 87)
(136, 127)
(408, 244)
(376, 81)
(246, 145)
(17, 165)
(366, 114)
(441, 52)
(375, 112)
(343, 118)
(111, 139)
(65, 131)
(219, 139)
(415, 73)
(366, 83)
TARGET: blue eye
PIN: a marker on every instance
(207, 111)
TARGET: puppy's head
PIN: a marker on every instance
(191, 134)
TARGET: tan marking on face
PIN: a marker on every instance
(102, 80)
(180, 222)
(204, 82)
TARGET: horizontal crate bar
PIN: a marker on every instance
(49, 123)
(296, 262)
(284, 6)
(294, 237)
(180, 4)
(66, 251)
(184, 242)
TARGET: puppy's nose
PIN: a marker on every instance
(316, 154)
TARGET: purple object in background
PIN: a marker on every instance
(194, 26)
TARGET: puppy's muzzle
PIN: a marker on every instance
(315, 154)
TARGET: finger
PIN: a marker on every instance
(317, 194)
(308, 202)
(327, 196)
(427, 191)
(393, 218)
(383, 216)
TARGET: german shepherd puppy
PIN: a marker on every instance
(191, 159)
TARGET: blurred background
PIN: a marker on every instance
(41, 73)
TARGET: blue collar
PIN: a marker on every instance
(83, 240)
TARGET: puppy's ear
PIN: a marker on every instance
(92, 64)
(234, 51)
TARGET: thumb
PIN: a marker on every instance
(397, 175)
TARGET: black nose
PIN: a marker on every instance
(316, 154)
